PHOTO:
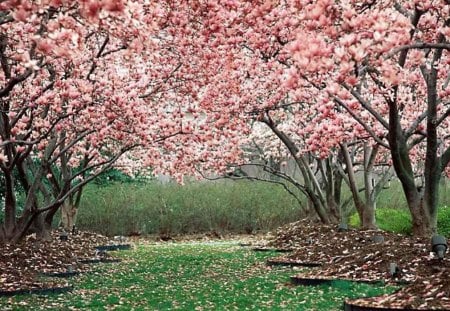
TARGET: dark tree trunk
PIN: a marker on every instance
(41, 227)
(10, 206)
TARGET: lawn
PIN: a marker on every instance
(192, 276)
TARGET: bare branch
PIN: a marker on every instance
(233, 177)
(416, 141)
(70, 145)
(107, 164)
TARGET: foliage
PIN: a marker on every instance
(344, 71)
(399, 220)
(205, 276)
(168, 209)
(389, 219)
(444, 221)
(115, 176)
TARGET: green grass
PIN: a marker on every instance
(193, 277)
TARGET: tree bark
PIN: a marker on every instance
(41, 228)
(365, 210)
(68, 216)
(10, 205)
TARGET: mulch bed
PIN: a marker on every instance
(363, 255)
(22, 265)
(324, 280)
(60, 274)
(99, 260)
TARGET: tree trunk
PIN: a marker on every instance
(424, 223)
(68, 216)
(366, 210)
(368, 217)
(319, 208)
(10, 206)
(41, 228)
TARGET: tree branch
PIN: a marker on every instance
(443, 117)
(286, 188)
(363, 124)
(420, 46)
(163, 82)
(445, 159)
(5, 17)
(412, 129)
(367, 106)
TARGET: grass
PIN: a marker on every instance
(214, 276)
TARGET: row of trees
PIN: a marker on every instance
(81, 85)
(327, 75)
(179, 87)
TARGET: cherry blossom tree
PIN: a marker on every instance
(54, 113)
(252, 47)
(83, 83)
(386, 61)
(383, 63)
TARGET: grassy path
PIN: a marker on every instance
(191, 276)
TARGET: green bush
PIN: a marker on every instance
(127, 206)
(443, 221)
(241, 207)
(389, 219)
(399, 220)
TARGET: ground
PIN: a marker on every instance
(355, 255)
(21, 264)
(200, 274)
(367, 256)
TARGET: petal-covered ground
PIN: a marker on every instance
(202, 275)
(369, 255)
(211, 275)
(22, 264)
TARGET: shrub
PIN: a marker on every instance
(389, 219)
(444, 221)
(241, 207)
(399, 220)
